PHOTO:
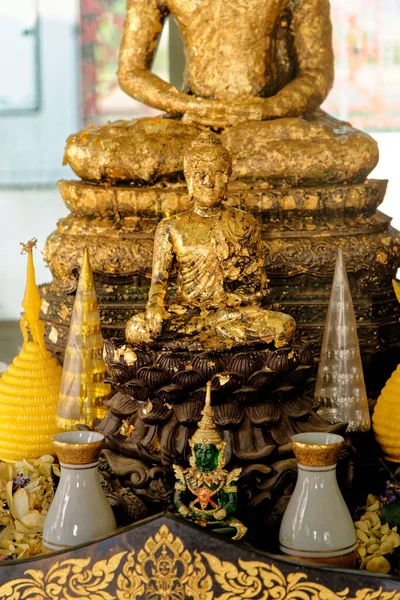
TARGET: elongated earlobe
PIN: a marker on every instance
(189, 182)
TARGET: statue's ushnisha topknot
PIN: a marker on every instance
(206, 138)
(207, 147)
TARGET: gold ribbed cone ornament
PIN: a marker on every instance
(386, 417)
(29, 388)
(206, 432)
(83, 390)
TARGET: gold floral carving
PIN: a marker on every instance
(66, 580)
(262, 581)
(165, 570)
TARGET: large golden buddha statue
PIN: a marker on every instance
(221, 276)
(256, 72)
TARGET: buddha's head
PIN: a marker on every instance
(207, 166)
(206, 457)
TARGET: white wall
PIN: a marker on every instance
(31, 148)
(24, 214)
(388, 168)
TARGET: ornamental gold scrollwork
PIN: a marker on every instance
(165, 570)
(262, 581)
(67, 580)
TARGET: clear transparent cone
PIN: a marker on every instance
(340, 386)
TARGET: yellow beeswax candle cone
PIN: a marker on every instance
(386, 417)
(30, 386)
(83, 390)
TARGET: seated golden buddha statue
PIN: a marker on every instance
(257, 72)
(221, 277)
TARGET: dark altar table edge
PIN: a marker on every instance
(165, 558)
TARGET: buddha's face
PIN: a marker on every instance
(206, 457)
(208, 182)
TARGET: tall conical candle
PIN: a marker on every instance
(30, 386)
(340, 386)
(386, 417)
(83, 390)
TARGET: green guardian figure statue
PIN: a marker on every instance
(205, 493)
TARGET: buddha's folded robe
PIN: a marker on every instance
(311, 150)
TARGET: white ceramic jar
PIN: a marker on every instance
(80, 511)
(317, 524)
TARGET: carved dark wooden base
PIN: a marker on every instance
(259, 401)
(258, 398)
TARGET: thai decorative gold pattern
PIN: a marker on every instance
(83, 389)
(165, 570)
(262, 581)
(29, 388)
(72, 578)
(77, 453)
(221, 277)
(317, 455)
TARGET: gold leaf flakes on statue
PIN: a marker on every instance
(223, 379)
(264, 104)
(215, 248)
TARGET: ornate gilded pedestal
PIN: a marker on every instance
(301, 229)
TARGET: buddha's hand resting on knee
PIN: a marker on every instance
(155, 317)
